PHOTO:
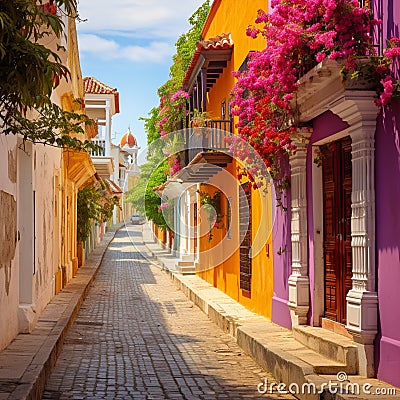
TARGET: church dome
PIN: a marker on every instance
(128, 139)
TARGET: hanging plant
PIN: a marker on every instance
(212, 206)
(95, 203)
(199, 119)
(300, 34)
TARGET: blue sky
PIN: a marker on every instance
(128, 45)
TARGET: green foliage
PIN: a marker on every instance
(28, 69)
(153, 173)
(212, 206)
(95, 203)
(152, 200)
(142, 196)
(52, 126)
(87, 207)
(29, 72)
(186, 43)
(150, 125)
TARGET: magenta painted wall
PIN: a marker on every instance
(388, 243)
(282, 262)
(387, 343)
(324, 126)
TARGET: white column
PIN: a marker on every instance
(360, 112)
(362, 299)
(299, 292)
(108, 129)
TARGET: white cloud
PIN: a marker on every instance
(154, 52)
(110, 25)
(94, 44)
(140, 18)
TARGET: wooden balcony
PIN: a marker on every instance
(211, 137)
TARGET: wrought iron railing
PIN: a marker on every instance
(211, 137)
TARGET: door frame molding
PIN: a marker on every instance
(318, 219)
(323, 89)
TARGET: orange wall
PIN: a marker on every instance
(234, 16)
(226, 275)
(231, 16)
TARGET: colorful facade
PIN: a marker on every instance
(331, 260)
(216, 253)
(344, 262)
(38, 187)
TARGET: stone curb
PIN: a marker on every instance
(251, 331)
(38, 351)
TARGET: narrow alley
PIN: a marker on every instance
(138, 337)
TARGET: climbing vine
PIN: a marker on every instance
(95, 203)
(300, 34)
(30, 71)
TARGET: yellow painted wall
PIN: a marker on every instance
(234, 17)
(226, 275)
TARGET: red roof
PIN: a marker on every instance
(94, 86)
(128, 139)
(115, 189)
(220, 42)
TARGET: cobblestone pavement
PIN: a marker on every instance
(138, 337)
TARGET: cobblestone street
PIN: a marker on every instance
(138, 337)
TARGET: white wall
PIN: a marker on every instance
(39, 229)
(8, 243)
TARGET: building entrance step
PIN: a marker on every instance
(330, 345)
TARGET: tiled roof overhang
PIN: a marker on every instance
(94, 86)
(201, 169)
(115, 189)
(211, 54)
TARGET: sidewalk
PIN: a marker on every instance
(272, 346)
(26, 363)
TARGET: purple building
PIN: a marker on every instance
(343, 271)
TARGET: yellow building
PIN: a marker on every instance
(77, 169)
(38, 189)
(231, 249)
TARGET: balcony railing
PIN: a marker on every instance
(209, 138)
(100, 152)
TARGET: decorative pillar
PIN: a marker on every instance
(360, 112)
(299, 285)
(203, 80)
(362, 299)
(108, 129)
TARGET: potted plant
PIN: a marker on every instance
(199, 118)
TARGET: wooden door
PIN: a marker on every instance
(337, 181)
(245, 233)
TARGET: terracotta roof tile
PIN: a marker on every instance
(220, 42)
(223, 41)
(92, 85)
